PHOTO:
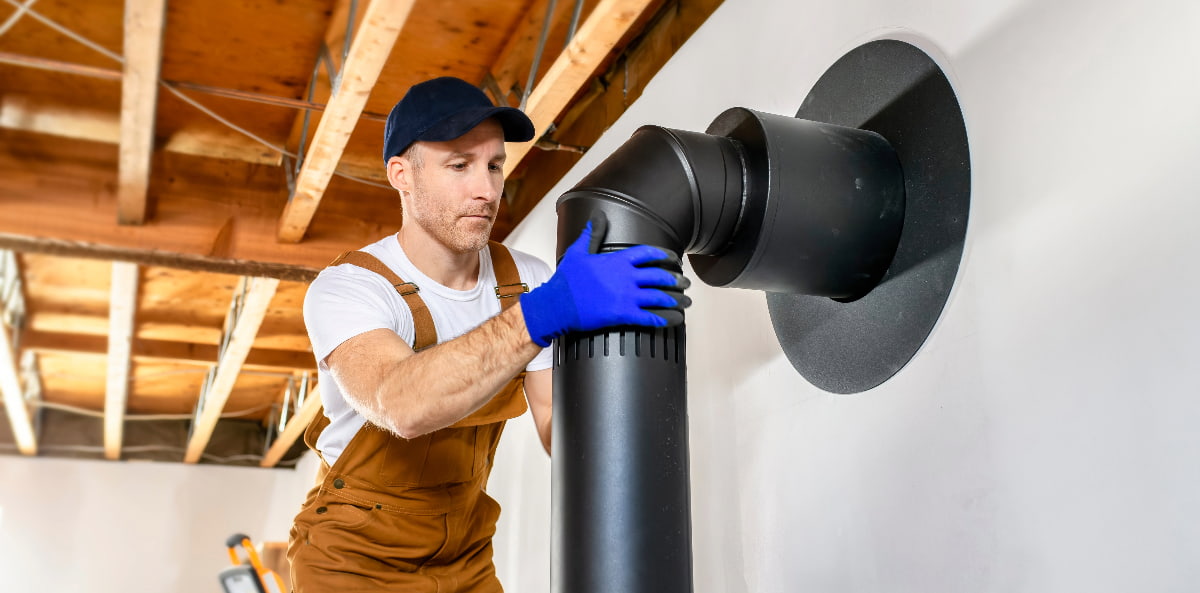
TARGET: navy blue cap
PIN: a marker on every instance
(444, 109)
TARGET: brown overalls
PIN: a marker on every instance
(410, 515)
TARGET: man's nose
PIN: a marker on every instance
(486, 186)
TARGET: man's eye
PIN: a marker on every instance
(459, 166)
(495, 167)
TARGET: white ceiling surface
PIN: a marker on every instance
(1044, 438)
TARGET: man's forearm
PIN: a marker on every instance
(441, 385)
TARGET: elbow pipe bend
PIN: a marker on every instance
(758, 201)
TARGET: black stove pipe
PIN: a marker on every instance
(759, 201)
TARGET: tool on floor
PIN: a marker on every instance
(248, 575)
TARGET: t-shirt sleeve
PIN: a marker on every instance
(341, 304)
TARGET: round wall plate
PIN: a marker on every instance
(896, 90)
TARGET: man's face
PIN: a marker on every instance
(452, 189)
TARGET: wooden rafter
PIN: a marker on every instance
(320, 86)
(122, 307)
(294, 429)
(369, 52)
(24, 114)
(10, 379)
(14, 397)
(144, 20)
(611, 93)
(68, 207)
(245, 317)
(321, 89)
(574, 67)
(511, 68)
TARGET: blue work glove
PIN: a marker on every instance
(590, 290)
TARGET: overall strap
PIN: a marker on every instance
(424, 333)
(508, 280)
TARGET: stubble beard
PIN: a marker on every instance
(443, 224)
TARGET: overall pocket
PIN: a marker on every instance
(445, 456)
(371, 541)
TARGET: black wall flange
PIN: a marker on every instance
(825, 214)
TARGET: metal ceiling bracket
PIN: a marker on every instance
(492, 86)
(574, 22)
(12, 298)
(33, 389)
(199, 409)
(285, 408)
(235, 314)
(335, 76)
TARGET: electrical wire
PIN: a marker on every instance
(142, 417)
(25, 9)
(537, 55)
(16, 16)
(65, 31)
(252, 136)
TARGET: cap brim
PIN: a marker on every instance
(517, 126)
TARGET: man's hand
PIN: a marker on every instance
(590, 290)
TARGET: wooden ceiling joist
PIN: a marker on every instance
(10, 379)
(328, 63)
(369, 52)
(14, 397)
(293, 429)
(245, 317)
(122, 307)
(510, 72)
(69, 208)
(611, 93)
(144, 21)
(572, 70)
(24, 114)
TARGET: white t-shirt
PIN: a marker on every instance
(346, 300)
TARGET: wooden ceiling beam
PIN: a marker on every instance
(251, 301)
(29, 114)
(214, 216)
(369, 52)
(122, 307)
(14, 397)
(294, 429)
(19, 418)
(511, 68)
(611, 94)
(152, 256)
(24, 114)
(144, 22)
(259, 359)
(320, 85)
(608, 23)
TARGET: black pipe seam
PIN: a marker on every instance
(759, 201)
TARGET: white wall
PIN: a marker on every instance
(71, 526)
(1045, 437)
(1042, 440)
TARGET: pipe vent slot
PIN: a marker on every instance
(663, 344)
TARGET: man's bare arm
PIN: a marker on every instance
(414, 393)
(539, 388)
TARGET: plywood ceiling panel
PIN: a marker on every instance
(215, 197)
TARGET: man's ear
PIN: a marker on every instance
(399, 173)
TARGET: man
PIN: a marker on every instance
(427, 342)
